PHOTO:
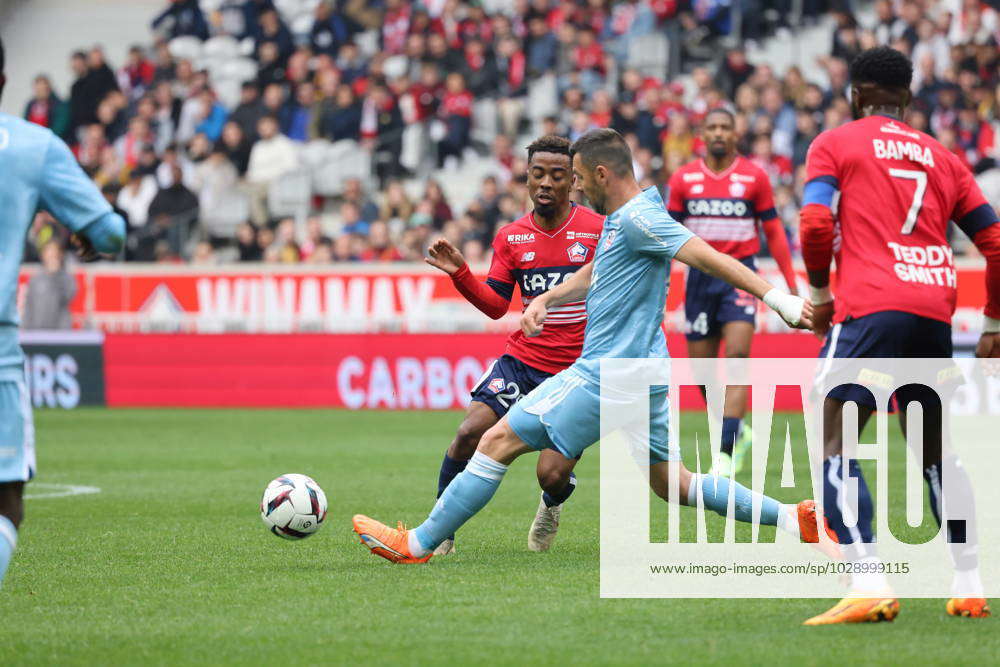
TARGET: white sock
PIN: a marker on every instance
(788, 520)
(868, 583)
(416, 550)
(967, 584)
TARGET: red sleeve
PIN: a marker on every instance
(816, 231)
(480, 295)
(675, 202)
(500, 269)
(777, 243)
(820, 160)
(970, 197)
(774, 229)
(987, 241)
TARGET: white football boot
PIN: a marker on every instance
(544, 527)
(445, 548)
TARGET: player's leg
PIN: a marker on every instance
(468, 493)
(17, 464)
(487, 406)
(940, 464)
(472, 489)
(713, 490)
(555, 476)
(870, 599)
(932, 339)
(11, 513)
(738, 335)
(479, 417)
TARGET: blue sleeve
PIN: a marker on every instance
(107, 234)
(67, 192)
(654, 232)
(820, 190)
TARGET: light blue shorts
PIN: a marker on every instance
(17, 433)
(564, 413)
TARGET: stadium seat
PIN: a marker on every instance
(342, 160)
(185, 48)
(315, 153)
(484, 122)
(395, 66)
(301, 25)
(232, 209)
(239, 69)
(289, 195)
(227, 90)
(221, 47)
(368, 42)
(542, 98)
(650, 54)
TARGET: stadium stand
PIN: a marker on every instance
(386, 95)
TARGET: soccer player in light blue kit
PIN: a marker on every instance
(37, 170)
(625, 288)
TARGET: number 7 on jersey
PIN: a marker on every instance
(918, 195)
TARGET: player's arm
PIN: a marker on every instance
(978, 220)
(774, 230)
(574, 288)
(74, 200)
(492, 297)
(794, 310)
(817, 228)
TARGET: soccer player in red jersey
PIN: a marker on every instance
(536, 253)
(723, 198)
(890, 302)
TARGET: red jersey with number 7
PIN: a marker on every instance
(899, 188)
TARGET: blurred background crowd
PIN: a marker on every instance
(322, 131)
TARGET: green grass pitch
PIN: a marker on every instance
(170, 563)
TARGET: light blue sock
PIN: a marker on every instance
(467, 494)
(715, 496)
(8, 542)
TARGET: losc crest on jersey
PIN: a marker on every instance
(577, 252)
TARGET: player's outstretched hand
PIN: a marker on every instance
(794, 310)
(445, 256)
(533, 318)
(808, 313)
(84, 248)
(822, 317)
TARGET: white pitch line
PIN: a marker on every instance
(59, 490)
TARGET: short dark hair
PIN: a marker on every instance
(604, 147)
(722, 110)
(883, 66)
(549, 143)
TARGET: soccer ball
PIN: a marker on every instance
(293, 506)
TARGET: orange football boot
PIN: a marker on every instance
(391, 544)
(809, 530)
(858, 610)
(968, 607)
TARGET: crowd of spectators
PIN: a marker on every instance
(403, 81)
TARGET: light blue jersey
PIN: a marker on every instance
(628, 288)
(38, 171)
(628, 291)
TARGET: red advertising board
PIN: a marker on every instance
(355, 298)
(380, 371)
